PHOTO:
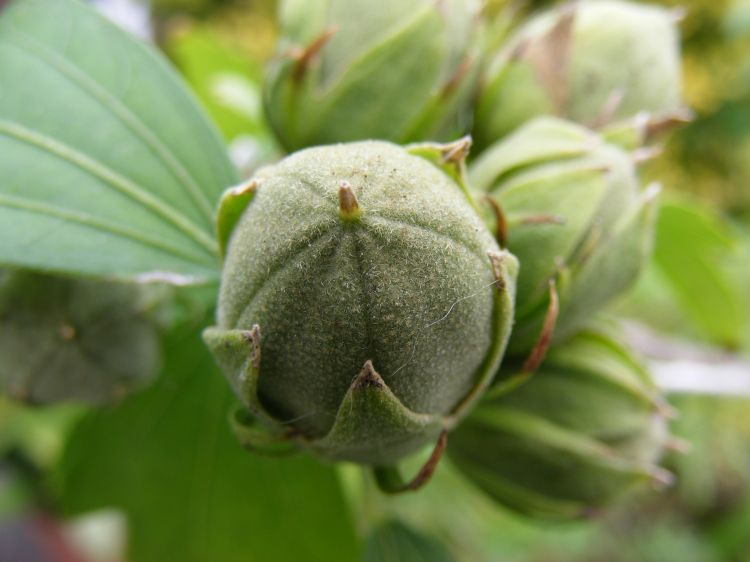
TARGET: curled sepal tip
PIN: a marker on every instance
(390, 481)
(645, 128)
(372, 420)
(233, 203)
(448, 157)
(238, 353)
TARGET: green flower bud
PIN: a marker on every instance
(593, 63)
(584, 429)
(574, 214)
(399, 70)
(74, 340)
(363, 304)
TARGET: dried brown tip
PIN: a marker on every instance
(501, 222)
(348, 205)
(250, 186)
(496, 260)
(304, 57)
(656, 126)
(368, 378)
(539, 351)
(456, 152)
(252, 337)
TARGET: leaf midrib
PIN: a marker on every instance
(123, 185)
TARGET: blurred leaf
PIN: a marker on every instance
(393, 541)
(107, 166)
(731, 535)
(226, 82)
(690, 246)
(39, 433)
(191, 493)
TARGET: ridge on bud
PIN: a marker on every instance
(359, 274)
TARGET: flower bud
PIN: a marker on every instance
(74, 340)
(593, 63)
(571, 209)
(584, 429)
(399, 70)
(363, 304)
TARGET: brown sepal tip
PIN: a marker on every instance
(368, 378)
(252, 337)
(656, 125)
(456, 152)
(348, 204)
(305, 56)
(496, 261)
(250, 186)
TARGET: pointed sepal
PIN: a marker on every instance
(238, 353)
(613, 265)
(545, 139)
(549, 55)
(370, 418)
(232, 204)
(449, 157)
(644, 128)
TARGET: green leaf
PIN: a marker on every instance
(167, 458)
(108, 167)
(226, 81)
(692, 247)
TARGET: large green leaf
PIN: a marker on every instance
(692, 250)
(190, 492)
(107, 166)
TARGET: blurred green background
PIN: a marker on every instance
(70, 461)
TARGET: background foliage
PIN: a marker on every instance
(163, 457)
